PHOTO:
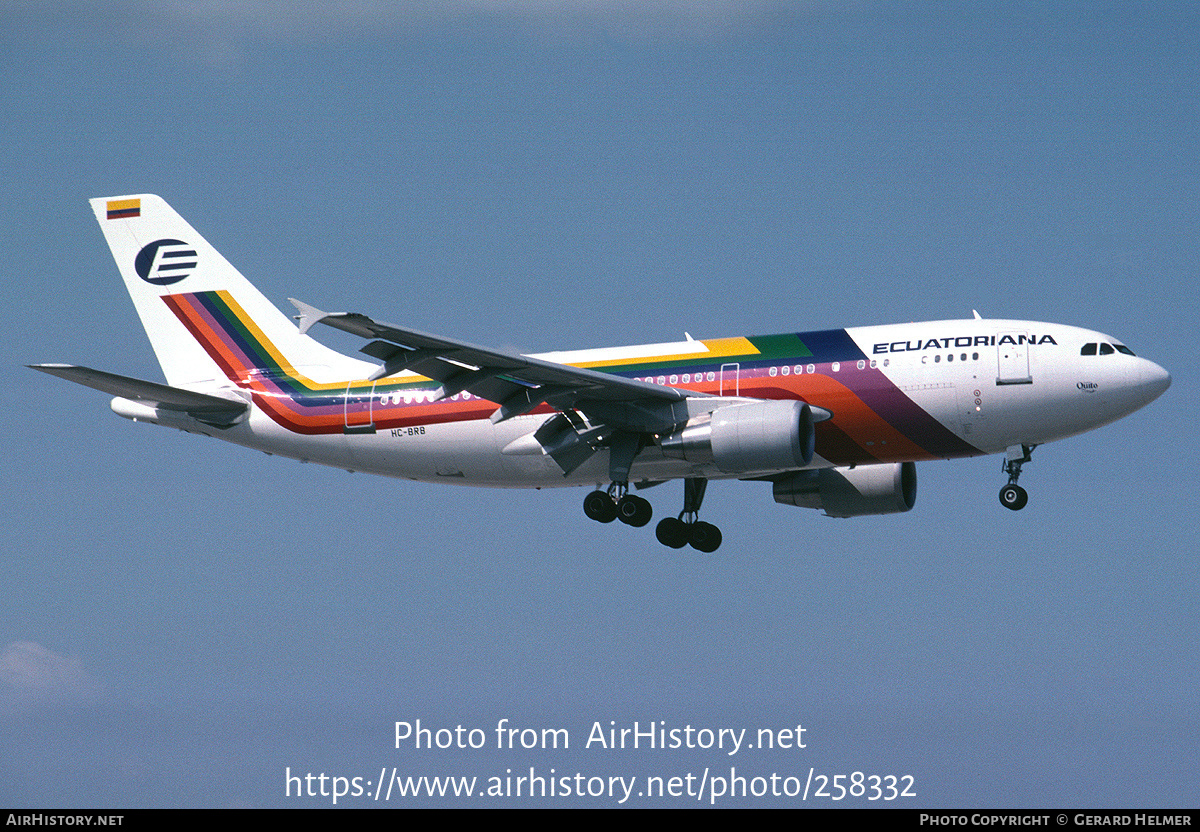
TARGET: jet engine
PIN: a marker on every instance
(747, 438)
(851, 492)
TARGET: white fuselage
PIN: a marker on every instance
(905, 392)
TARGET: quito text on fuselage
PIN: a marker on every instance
(833, 419)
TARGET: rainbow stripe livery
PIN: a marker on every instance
(834, 419)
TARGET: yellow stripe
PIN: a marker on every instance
(123, 204)
(717, 348)
(269, 346)
(286, 366)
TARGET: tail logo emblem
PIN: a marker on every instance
(164, 262)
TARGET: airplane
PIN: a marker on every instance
(833, 420)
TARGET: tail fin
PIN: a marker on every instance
(204, 319)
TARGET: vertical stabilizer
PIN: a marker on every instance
(166, 266)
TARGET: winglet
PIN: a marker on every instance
(978, 317)
(309, 315)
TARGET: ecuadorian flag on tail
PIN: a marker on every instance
(119, 209)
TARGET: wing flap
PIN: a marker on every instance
(519, 383)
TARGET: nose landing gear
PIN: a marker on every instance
(1013, 496)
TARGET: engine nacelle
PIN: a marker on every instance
(851, 492)
(747, 438)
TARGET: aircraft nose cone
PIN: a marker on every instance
(1153, 380)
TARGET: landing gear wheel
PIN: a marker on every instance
(1013, 496)
(600, 507)
(704, 537)
(672, 532)
(634, 511)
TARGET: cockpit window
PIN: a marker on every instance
(1105, 349)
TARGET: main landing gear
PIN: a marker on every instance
(678, 532)
(618, 504)
(1013, 496)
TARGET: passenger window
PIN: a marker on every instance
(1106, 349)
(1088, 349)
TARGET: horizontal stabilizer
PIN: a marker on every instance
(212, 410)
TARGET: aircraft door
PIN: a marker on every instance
(729, 379)
(359, 409)
(1012, 358)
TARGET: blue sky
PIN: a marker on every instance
(186, 619)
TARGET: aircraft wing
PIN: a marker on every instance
(209, 409)
(517, 382)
